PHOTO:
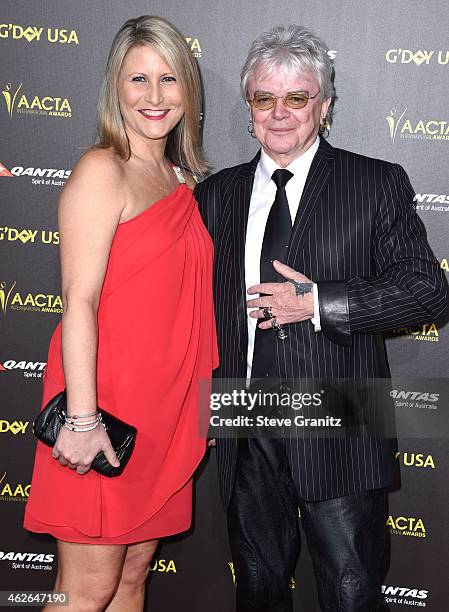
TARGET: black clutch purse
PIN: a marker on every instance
(50, 420)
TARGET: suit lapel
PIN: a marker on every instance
(317, 179)
(240, 208)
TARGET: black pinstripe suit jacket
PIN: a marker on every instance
(356, 234)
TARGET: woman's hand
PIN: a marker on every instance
(77, 450)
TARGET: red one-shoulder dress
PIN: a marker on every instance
(156, 343)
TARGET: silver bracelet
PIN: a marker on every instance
(71, 422)
(79, 429)
(86, 426)
(82, 416)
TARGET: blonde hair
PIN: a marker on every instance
(184, 141)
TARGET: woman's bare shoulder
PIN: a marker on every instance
(97, 164)
(97, 182)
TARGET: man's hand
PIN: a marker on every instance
(290, 302)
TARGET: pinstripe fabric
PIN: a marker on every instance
(355, 225)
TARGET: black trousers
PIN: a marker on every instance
(346, 537)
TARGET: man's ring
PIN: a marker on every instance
(267, 312)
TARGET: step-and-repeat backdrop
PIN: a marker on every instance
(392, 68)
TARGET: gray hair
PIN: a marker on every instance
(292, 47)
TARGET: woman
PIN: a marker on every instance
(138, 326)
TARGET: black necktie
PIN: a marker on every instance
(275, 246)
(277, 230)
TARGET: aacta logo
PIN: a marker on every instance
(37, 302)
(34, 34)
(18, 492)
(4, 170)
(194, 45)
(422, 129)
(50, 106)
(406, 526)
(231, 567)
(406, 56)
(10, 96)
(416, 460)
(5, 294)
(427, 332)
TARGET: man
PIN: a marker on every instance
(355, 263)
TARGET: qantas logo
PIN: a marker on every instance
(4, 170)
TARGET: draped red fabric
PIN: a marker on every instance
(156, 342)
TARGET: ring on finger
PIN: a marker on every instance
(267, 313)
(274, 323)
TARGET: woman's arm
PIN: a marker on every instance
(89, 212)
